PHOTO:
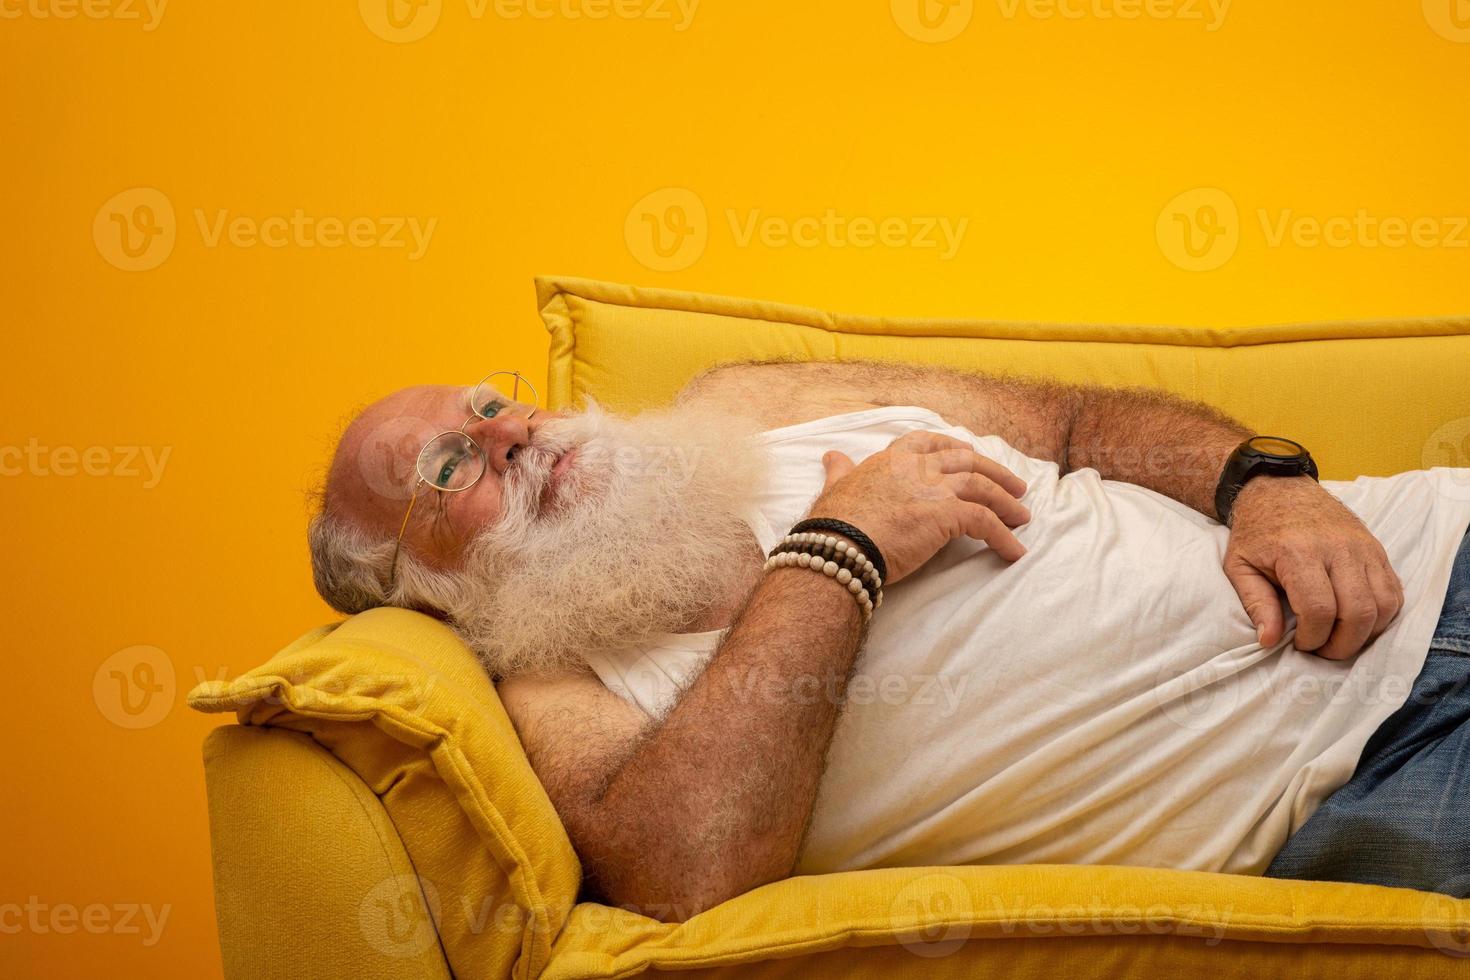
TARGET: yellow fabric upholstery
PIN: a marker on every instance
(305, 850)
(405, 710)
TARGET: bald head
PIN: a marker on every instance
(372, 471)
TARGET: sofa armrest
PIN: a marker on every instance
(310, 877)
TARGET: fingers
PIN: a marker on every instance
(1258, 596)
(981, 523)
(926, 441)
(1357, 613)
(967, 460)
(1388, 593)
(837, 465)
(1311, 595)
(980, 489)
(956, 455)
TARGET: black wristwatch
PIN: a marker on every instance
(1272, 455)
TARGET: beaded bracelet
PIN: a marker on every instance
(836, 549)
(836, 559)
(788, 559)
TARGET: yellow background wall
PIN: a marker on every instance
(533, 143)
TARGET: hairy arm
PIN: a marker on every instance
(1136, 435)
(676, 816)
(1155, 440)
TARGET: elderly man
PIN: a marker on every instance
(1066, 655)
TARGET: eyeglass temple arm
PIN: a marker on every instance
(398, 545)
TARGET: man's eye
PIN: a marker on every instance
(492, 409)
(447, 468)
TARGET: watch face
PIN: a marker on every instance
(1272, 446)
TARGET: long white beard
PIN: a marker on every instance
(637, 539)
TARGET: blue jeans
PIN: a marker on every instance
(1404, 817)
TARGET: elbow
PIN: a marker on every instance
(673, 869)
(682, 907)
(669, 892)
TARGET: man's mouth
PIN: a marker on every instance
(553, 478)
(560, 466)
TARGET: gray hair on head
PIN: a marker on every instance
(351, 569)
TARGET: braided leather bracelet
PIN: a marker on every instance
(833, 526)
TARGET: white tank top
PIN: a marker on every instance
(1103, 700)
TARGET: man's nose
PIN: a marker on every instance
(500, 438)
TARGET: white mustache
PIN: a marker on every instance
(525, 478)
(529, 473)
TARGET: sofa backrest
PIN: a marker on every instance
(1368, 398)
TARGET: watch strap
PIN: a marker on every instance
(1245, 463)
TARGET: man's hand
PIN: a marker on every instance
(1289, 532)
(921, 492)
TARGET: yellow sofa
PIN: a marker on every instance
(373, 815)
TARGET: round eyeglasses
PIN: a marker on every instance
(452, 462)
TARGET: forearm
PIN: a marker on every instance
(717, 798)
(1153, 439)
